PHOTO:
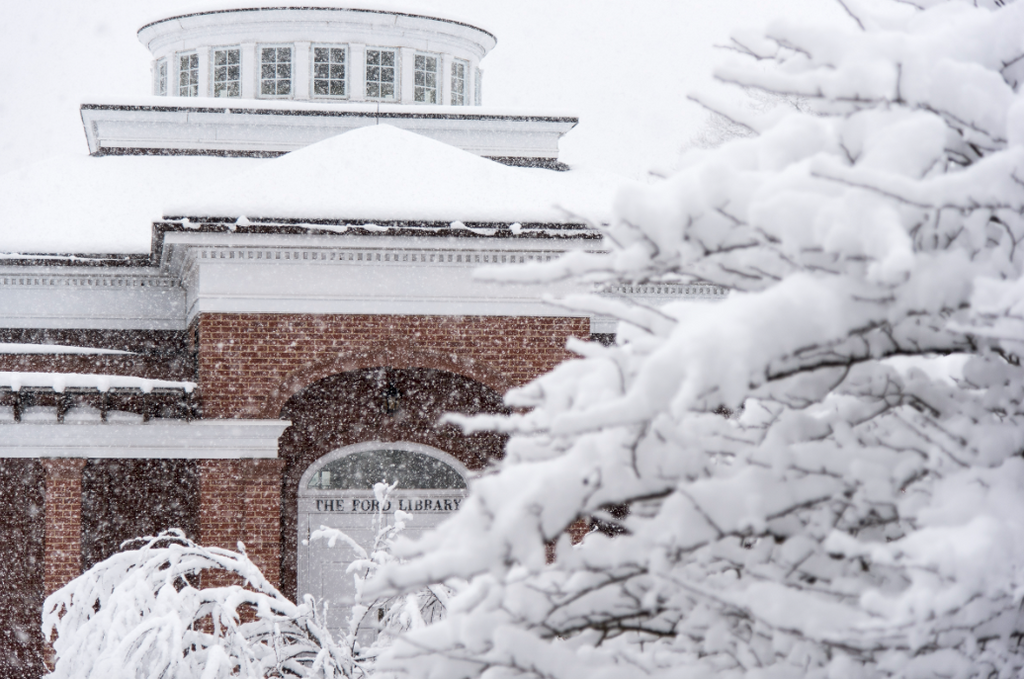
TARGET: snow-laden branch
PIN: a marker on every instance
(820, 475)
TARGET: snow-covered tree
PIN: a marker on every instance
(821, 475)
(146, 612)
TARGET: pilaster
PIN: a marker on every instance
(63, 535)
(240, 501)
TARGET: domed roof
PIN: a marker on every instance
(418, 10)
(383, 173)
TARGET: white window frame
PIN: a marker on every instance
(214, 67)
(312, 71)
(260, 78)
(397, 84)
(193, 84)
(478, 88)
(464, 95)
(160, 77)
(437, 72)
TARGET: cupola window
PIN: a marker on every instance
(380, 73)
(160, 78)
(188, 75)
(276, 71)
(425, 79)
(227, 72)
(329, 76)
(459, 71)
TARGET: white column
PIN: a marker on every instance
(356, 69)
(250, 70)
(302, 70)
(205, 72)
(445, 76)
(405, 73)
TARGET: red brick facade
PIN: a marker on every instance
(250, 364)
(318, 371)
(240, 501)
(63, 537)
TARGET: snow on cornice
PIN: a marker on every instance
(15, 381)
(15, 348)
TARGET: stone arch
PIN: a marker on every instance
(390, 355)
(348, 408)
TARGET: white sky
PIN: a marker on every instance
(625, 68)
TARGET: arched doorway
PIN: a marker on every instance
(337, 492)
(373, 405)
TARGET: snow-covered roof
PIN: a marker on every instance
(380, 172)
(85, 204)
(419, 9)
(82, 204)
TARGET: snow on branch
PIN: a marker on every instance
(820, 475)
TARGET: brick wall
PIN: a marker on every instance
(63, 534)
(22, 537)
(244, 358)
(240, 501)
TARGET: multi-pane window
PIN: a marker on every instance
(459, 72)
(275, 71)
(478, 88)
(227, 72)
(188, 75)
(380, 74)
(425, 79)
(329, 72)
(160, 78)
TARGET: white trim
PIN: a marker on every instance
(178, 56)
(398, 73)
(438, 75)
(312, 71)
(157, 65)
(259, 71)
(436, 453)
(175, 439)
(213, 70)
(465, 82)
(208, 125)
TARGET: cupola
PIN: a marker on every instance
(317, 53)
(258, 80)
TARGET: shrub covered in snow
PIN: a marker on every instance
(145, 612)
(824, 471)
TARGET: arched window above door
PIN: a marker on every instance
(360, 470)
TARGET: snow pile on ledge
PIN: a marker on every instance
(13, 348)
(81, 204)
(380, 172)
(15, 381)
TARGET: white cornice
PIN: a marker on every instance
(79, 297)
(171, 125)
(234, 272)
(200, 439)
